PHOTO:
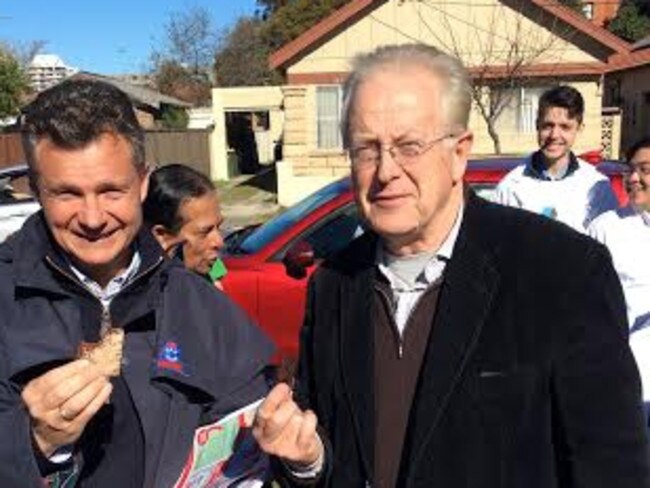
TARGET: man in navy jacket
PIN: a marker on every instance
(84, 266)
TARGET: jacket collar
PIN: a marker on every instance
(469, 286)
(536, 167)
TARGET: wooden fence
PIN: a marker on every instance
(11, 150)
(189, 147)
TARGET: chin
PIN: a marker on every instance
(394, 228)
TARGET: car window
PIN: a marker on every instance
(336, 233)
(485, 190)
(269, 231)
(331, 234)
(15, 190)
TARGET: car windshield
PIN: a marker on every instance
(14, 189)
(280, 223)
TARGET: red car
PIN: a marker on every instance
(268, 265)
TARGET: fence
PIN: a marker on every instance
(189, 147)
(11, 150)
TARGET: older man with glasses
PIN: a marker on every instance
(457, 343)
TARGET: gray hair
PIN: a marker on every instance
(457, 99)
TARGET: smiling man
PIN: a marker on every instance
(456, 343)
(626, 233)
(83, 272)
(553, 181)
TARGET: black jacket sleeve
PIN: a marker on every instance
(601, 435)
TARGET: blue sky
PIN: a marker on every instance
(104, 36)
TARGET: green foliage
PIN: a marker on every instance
(574, 4)
(632, 22)
(268, 7)
(242, 59)
(174, 118)
(294, 17)
(174, 79)
(13, 84)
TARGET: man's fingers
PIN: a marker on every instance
(56, 375)
(307, 436)
(276, 397)
(95, 404)
(79, 401)
(273, 426)
(71, 386)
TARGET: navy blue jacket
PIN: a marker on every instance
(191, 355)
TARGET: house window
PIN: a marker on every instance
(328, 116)
(588, 10)
(520, 113)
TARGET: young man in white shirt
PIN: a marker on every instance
(553, 181)
(626, 232)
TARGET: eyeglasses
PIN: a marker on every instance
(368, 154)
(642, 169)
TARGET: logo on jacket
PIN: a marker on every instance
(169, 358)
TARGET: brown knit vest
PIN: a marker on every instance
(396, 376)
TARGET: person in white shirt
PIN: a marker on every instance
(626, 232)
(553, 181)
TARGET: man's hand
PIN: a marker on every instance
(283, 430)
(62, 401)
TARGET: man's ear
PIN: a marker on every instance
(166, 239)
(144, 182)
(462, 151)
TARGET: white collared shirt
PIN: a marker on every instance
(405, 295)
(105, 295)
(626, 233)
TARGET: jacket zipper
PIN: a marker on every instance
(392, 307)
(106, 320)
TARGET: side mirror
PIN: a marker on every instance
(298, 258)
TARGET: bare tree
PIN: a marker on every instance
(182, 67)
(500, 52)
(24, 52)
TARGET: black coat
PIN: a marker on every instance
(45, 312)
(527, 379)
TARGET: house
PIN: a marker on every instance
(600, 12)
(554, 44)
(627, 86)
(149, 104)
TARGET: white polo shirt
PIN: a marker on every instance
(626, 233)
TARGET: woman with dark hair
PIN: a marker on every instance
(182, 209)
(626, 233)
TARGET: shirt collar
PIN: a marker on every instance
(644, 214)
(115, 285)
(436, 265)
(537, 169)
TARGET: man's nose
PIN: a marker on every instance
(91, 215)
(633, 176)
(217, 240)
(387, 167)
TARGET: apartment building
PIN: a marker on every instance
(46, 70)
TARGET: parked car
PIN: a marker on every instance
(269, 265)
(16, 200)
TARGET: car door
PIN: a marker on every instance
(281, 298)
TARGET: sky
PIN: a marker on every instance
(104, 36)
